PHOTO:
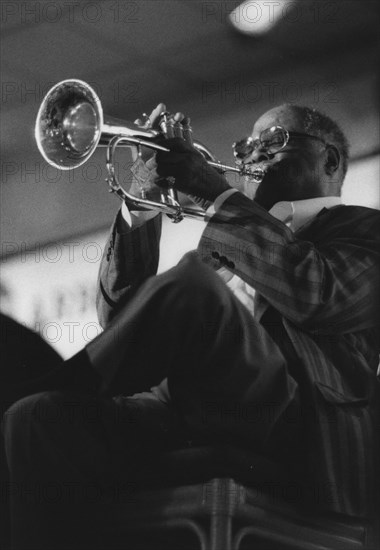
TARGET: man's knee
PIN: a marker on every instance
(43, 409)
(196, 280)
(21, 412)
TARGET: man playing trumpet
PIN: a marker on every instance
(275, 316)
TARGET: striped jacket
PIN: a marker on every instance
(324, 282)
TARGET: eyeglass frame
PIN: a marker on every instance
(257, 142)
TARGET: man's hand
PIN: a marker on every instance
(192, 174)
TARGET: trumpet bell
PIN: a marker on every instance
(69, 124)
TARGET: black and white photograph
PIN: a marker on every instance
(190, 275)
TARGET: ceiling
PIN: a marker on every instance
(184, 53)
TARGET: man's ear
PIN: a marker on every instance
(332, 159)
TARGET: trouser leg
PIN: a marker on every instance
(187, 325)
(73, 458)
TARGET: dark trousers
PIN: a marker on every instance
(72, 455)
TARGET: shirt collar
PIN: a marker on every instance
(296, 213)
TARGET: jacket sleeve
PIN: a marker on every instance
(329, 284)
(130, 256)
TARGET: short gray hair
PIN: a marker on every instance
(321, 125)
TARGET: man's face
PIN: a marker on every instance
(295, 172)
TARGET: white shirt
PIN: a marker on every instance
(294, 214)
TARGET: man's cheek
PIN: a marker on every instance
(287, 173)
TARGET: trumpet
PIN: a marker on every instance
(70, 125)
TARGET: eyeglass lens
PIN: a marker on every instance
(272, 140)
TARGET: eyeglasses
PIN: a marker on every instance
(271, 140)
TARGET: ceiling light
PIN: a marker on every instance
(256, 17)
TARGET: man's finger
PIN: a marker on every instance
(178, 117)
(187, 131)
(178, 130)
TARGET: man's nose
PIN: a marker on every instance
(259, 154)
